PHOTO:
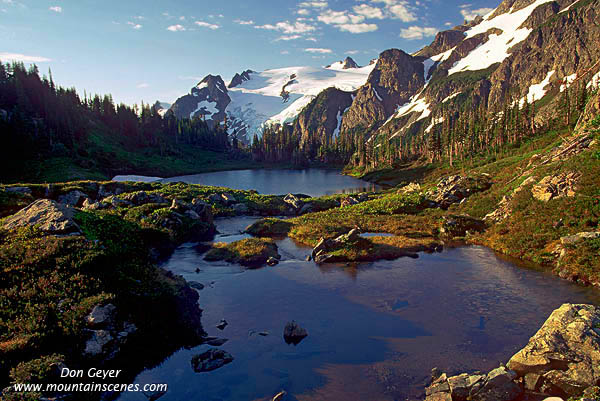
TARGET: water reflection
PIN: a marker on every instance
(375, 330)
(313, 182)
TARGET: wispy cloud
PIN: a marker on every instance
(56, 9)
(284, 52)
(143, 85)
(313, 4)
(288, 37)
(470, 14)
(244, 22)
(417, 32)
(207, 25)
(23, 58)
(134, 25)
(176, 28)
(318, 50)
(351, 52)
(288, 28)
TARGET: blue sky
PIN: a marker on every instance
(157, 50)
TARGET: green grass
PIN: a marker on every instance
(250, 252)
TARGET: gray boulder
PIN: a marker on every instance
(101, 315)
(47, 215)
(73, 198)
(564, 355)
(98, 343)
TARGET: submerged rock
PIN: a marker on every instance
(210, 360)
(222, 324)
(293, 333)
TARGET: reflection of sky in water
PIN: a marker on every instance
(313, 182)
(375, 331)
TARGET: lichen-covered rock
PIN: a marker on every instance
(556, 186)
(48, 215)
(455, 188)
(565, 352)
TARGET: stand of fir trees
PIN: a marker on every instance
(39, 119)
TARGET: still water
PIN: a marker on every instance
(375, 331)
(313, 182)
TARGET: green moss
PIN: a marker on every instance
(250, 252)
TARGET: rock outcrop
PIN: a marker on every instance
(396, 77)
(556, 186)
(455, 188)
(47, 215)
(563, 357)
(562, 360)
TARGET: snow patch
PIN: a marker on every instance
(568, 81)
(202, 85)
(377, 95)
(257, 102)
(452, 96)
(209, 109)
(340, 113)
(415, 105)
(595, 81)
(495, 50)
(564, 10)
(434, 122)
(536, 91)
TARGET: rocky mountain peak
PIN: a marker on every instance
(349, 63)
(238, 79)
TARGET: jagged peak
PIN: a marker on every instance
(346, 64)
(239, 78)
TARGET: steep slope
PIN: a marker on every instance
(277, 96)
(522, 50)
(207, 100)
(322, 117)
(395, 78)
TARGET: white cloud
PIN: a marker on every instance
(318, 50)
(339, 17)
(352, 52)
(470, 15)
(134, 25)
(358, 28)
(143, 85)
(303, 11)
(288, 37)
(56, 9)
(313, 4)
(288, 28)
(311, 39)
(369, 11)
(23, 58)
(139, 17)
(417, 32)
(398, 9)
(285, 52)
(176, 28)
(207, 25)
(244, 22)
